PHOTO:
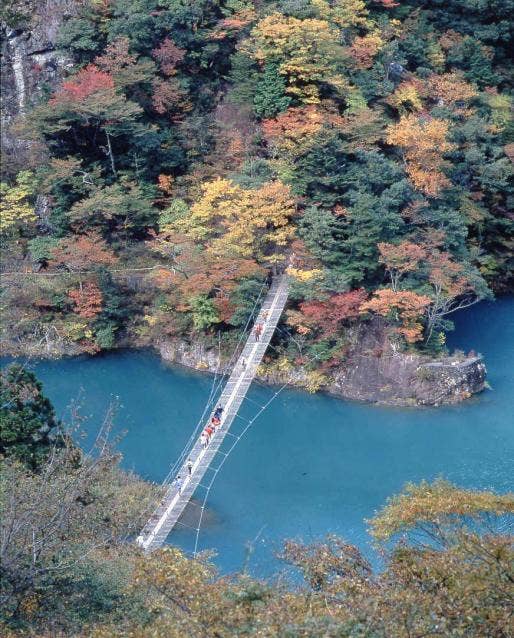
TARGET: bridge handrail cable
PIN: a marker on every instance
(235, 391)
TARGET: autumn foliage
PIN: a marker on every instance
(87, 300)
(404, 307)
(243, 222)
(328, 315)
(82, 252)
(207, 142)
(364, 49)
(169, 55)
(85, 84)
(400, 259)
(294, 130)
(306, 48)
(424, 143)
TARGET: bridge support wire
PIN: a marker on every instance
(214, 390)
(237, 438)
(156, 530)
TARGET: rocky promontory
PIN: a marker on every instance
(372, 371)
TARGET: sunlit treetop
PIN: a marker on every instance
(439, 503)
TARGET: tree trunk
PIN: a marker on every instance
(111, 156)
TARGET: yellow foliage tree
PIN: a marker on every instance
(232, 220)
(305, 276)
(501, 109)
(308, 52)
(423, 142)
(15, 209)
(438, 504)
(343, 13)
(406, 97)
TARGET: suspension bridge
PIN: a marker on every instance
(201, 457)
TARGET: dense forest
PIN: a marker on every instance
(67, 569)
(192, 146)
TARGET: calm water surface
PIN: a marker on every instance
(310, 464)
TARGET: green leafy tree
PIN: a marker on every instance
(80, 37)
(116, 310)
(28, 426)
(205, 313)
(41, 248)
(270, 94)
(123, 206)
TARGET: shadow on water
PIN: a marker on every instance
(310, 465)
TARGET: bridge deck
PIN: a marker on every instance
(174, 502)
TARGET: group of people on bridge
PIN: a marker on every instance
(259, 327)
(205, 438)
(211, 427)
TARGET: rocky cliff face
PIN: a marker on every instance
(377, 372)
(373, 371)
(30, 62)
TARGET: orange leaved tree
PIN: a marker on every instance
(82, 252)
(404, 307)
(87, 300)
(328, 315)
(453, 287)
(400, 259)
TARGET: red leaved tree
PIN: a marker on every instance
(328, 315)
(82, 252)
(169, 55)
(87, 300)
(85, 84)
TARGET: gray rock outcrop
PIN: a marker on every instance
(30, 61)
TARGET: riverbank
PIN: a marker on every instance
(373, 369)
(372, 372)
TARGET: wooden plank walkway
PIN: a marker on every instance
(166, 516)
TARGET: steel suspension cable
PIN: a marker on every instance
(231, 448)
(192, 439)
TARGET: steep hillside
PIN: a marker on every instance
(162, 156)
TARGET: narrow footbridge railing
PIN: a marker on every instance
(175, 500)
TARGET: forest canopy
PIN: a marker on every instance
(190, 146)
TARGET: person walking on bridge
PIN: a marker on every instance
(189, 465)
(258, 331)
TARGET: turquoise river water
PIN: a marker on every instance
(310, 465)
